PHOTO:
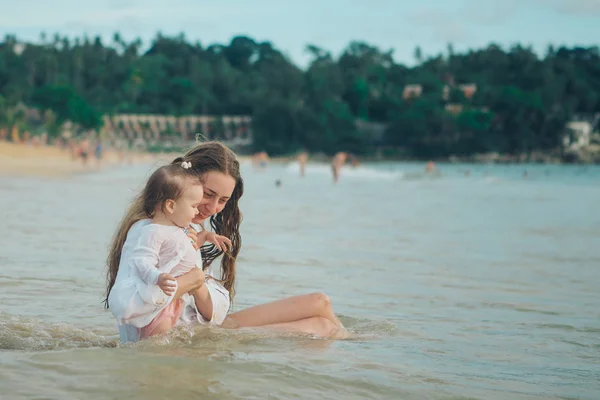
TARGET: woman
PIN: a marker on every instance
(210, 300)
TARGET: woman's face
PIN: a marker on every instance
(218, 188)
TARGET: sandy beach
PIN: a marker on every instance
(53, 162)
(49, 161)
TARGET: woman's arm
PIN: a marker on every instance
(189, 282)
(193, 283)
(203, 302)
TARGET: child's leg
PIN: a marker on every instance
(161, 327)
(164, 321)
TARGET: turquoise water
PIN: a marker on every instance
(454, 286)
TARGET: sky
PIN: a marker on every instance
(290, 25)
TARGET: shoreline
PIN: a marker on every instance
(587, 156)
(21, 160)
(26, 160)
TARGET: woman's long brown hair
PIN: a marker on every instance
(205, 157)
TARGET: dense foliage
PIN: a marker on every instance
(521, 104)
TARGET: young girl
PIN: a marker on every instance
(162, 250)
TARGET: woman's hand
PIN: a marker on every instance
(221, 242)
(190, 282)
(199, 278)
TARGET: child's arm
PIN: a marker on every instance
(145, 260)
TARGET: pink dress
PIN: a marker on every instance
(169, 314)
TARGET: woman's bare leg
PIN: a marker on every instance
(319, 326)
(290, 309)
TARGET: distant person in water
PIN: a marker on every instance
(260, 160)
(336, 164)
(302, 159)
(430, 167)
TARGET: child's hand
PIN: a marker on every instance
(167, 283)
(222, 243)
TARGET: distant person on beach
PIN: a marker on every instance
(302, 159)
(84, 150)
(98, 152)
(15, 134)
(219, 171)
(119, 145)
(73, 149)
(158, 252)
(129, 150)
(336, 164)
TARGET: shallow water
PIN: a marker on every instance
(454, 287)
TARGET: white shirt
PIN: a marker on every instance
(149, 250)
(161, 249)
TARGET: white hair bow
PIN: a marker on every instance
(186, 164)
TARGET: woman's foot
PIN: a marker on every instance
(341, 333)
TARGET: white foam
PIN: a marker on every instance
(20, 333)
(360, 172)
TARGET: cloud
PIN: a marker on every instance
(577, 7)
(456, 21)
(30, 13)
(489, 12)
(443, 26)
(117, 4)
